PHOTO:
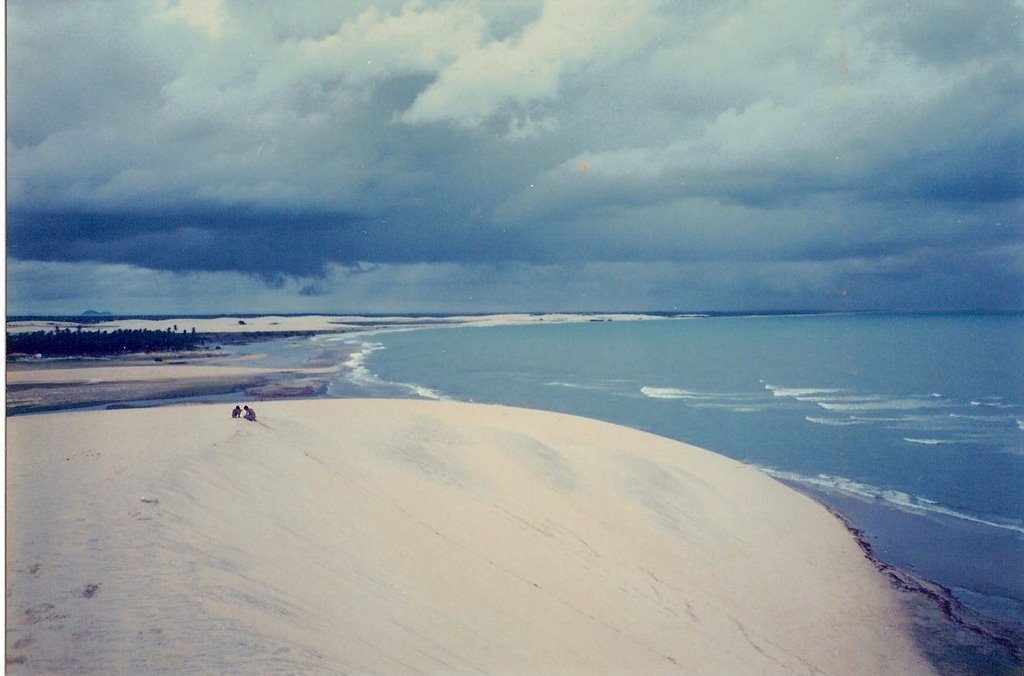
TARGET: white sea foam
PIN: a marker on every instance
(799, 392)
(993, 402)
(669, 393)
(356, 362)
(424, 392)
(590, 387)
(727, 406)
(678, 393)
(892, 497)
(737, 402)
(845, 401)
(981, 418)
(877, 404)
(929, 442)
(898, 420)
(834, 422)
(874, 419)
(571, 386)
(359, 374)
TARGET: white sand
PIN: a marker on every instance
(375, 536)
(275, 323)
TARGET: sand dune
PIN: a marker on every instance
(373, 536)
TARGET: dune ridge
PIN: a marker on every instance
(399, 536)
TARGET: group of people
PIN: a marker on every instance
(249, 413)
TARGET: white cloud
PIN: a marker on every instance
(794, 128)
(376, 45)
(209, 17)
(531, 66)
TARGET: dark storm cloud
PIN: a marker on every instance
(259, 242)
(294, 140)
(225, 240)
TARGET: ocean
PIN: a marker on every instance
(911, 426)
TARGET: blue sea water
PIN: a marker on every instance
(912, 426)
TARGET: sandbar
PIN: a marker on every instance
(315, 323)
(67, 384)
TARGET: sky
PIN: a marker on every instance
(333, 156)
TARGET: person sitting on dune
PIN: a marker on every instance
(236, 412)
(250, 414)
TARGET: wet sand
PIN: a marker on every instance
(75, 383)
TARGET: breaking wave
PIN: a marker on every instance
(894, 498)
(358, 374)
(834, 422)
(737, 402)
(669, 393)
(801, 393)
(877, 404)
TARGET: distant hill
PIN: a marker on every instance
(95, 313)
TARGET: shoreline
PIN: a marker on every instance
(937, 608)
(944, 627)
(37, 385)
(384, 535)
(279, 324)
(76, 384)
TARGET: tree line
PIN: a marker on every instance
(76, 342)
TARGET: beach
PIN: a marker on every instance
(77, 383)
(36, 384)
(270, 324)
(388, 536)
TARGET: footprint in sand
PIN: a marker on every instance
(44, 612)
